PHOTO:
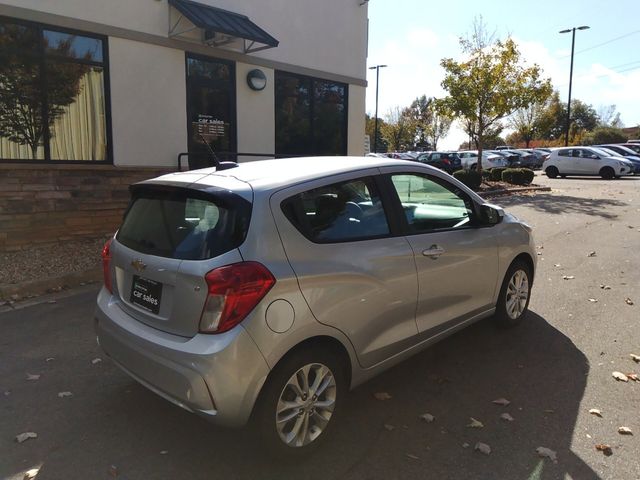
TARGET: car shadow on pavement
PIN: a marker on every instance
(111, 422)
(564, 204)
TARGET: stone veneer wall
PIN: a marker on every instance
(42, 204)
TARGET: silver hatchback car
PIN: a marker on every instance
(267, 290)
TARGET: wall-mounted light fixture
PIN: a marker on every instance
(256, 79)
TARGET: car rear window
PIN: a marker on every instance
(183, 224)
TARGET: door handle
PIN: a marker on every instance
(434, 251)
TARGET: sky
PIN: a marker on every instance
(412, 36)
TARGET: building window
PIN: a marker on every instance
(52, 94)
(311, 116)
(211, 100)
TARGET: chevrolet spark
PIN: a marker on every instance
(264, 291)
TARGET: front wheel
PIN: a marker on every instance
(552, 172)
(297, 408)
(513, 301)
(607, 173)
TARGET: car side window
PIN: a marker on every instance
(435, 156)
(345, 211)
(431, 204)
(564, 153)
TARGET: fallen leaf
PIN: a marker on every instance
(549, 410)
(52, 301)
(507, 417)
(386, 426)
(65, 394)
(591, 254)
(49, 359)
(482, 448)
(634, 357)
(23, 437)
(382, 396)
(568, 277)
(465, 445)
(556, 264)
(412, 456)
(606, 449)
(29, 474)
(628, 301)
(96, 360)
(624, 431)
(593, 300)
(596, 412)
(633, 376)
(620, 376)
(475, 423)
(427, 417)
(33, 377)
(539, 253)
(501, 401)
(164, 452)
(605, 287)
(548, 453)
(113, 471)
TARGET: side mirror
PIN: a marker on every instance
(491, 214)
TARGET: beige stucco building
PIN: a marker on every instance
(98, 94)
(144, 78)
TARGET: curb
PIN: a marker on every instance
(507, 191)
(47, 285)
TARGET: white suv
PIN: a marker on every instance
(585, 161)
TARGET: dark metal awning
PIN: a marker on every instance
(217, 27)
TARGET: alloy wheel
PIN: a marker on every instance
(517, 294)
(306, 404)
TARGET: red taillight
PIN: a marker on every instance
(446, 161)
(234, 290)
(106, 265)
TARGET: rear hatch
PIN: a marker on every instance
(171, 236)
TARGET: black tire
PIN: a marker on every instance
(473, 167)
(607, 173)
(552, 172)
(563, 176)
(502, 316)
(264, 415)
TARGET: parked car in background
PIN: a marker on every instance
(625, 153)
(400, 155)
(524, 160)
(469, 159)
(265, 291)
(585, 161)
(632, 146)
(447, 161)
(504, 147)
(511, 158)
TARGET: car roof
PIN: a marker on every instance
(272, 174)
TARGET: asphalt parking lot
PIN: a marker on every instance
(553, 368)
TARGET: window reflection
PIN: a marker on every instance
(311, 116)
(74, 46)
(52, 96)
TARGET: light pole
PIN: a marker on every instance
(573, 42)
(375, 132)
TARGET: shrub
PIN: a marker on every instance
(517, 176)
(496, 173)
(486, 174)
(470, 178)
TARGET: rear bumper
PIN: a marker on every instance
(215, 376)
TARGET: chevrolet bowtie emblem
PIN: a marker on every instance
(138, 264)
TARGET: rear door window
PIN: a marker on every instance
(182, 225)
(340, 212)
